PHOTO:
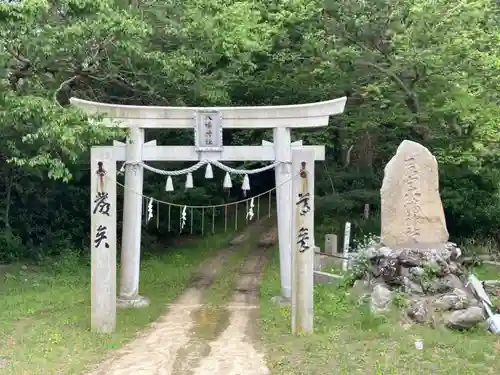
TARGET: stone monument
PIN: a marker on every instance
(414, 257)
(411, 208)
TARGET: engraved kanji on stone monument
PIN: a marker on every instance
(411, 208)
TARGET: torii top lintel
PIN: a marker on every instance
(280, 116)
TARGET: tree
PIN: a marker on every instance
(433, 66)
(424, 70)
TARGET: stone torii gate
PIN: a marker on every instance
(207, 146)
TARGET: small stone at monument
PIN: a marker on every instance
(443, 269)
(411, 287)
(467, 318)
(455, 253)
(418, 311)
(449, 282)
(390, 272)
(457, 300)
(455, 269)
(380, 298)
(410, 258)
(411, 208)
(404, 272)
(437, 286)
(385, 251)
(417, 272)
(374, 252)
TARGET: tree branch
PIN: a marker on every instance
(18, 56)
(410, 94)
(348, 156)
(65, 84)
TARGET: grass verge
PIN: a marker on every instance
(45, 318)
(349, 340)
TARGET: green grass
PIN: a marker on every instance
(334, 267)
(350, 340)
(45, 311)
(486, 272)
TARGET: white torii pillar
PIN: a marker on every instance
(283, 173)
(132, 217)
(281, 118)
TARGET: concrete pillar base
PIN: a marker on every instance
(132, 302)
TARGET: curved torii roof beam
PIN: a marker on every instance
(279, 116)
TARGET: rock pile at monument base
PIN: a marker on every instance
(431, 280)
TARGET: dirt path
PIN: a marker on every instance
(233, 352)
(154, 352)
(194, 338)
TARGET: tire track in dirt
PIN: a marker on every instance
(233, 351)
(212, 321)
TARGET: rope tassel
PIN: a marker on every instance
(208, 172)
(189, 181)
(246, 185)
(169, 186)
(227, 181)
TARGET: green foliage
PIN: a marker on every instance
(422, 70)
(12, 248)
(471, 199)
(40, 134)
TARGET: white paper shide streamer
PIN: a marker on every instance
(250, 213)
(183, 217)
(150, 209)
